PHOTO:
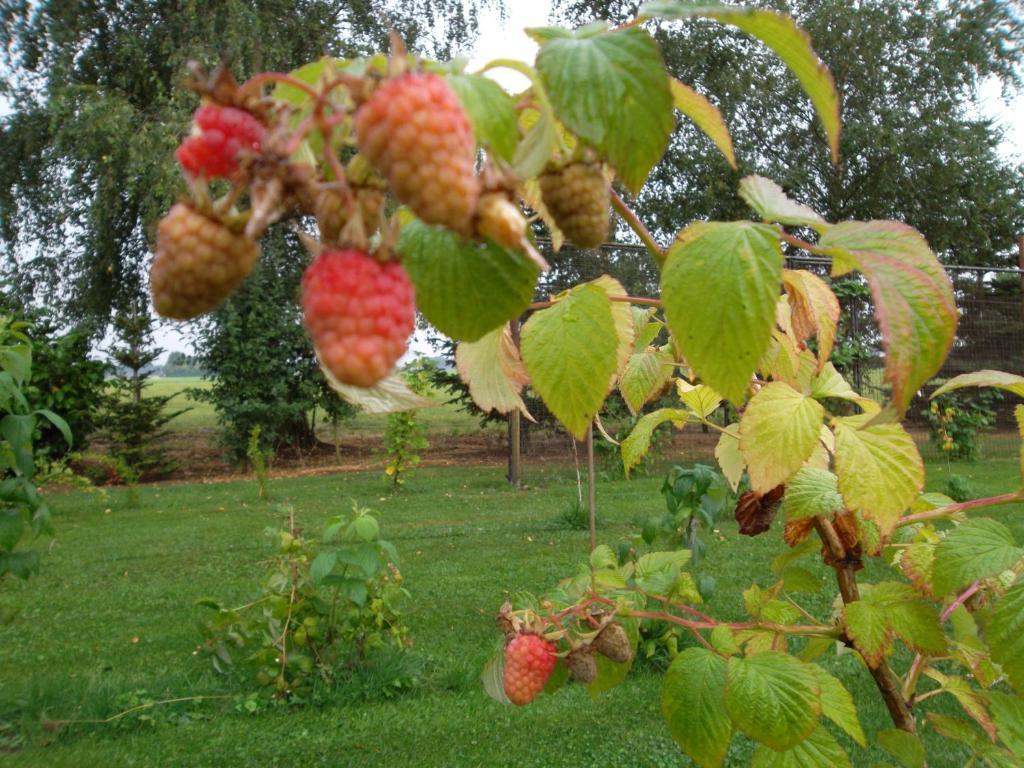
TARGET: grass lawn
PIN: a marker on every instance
(112, 615)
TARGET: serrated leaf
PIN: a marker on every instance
(701, 399)
(719, 287)
(780, 33)
(987, 378)
(778, 432)
(1018, 413)
(645, 375)
(773, 698)
(1008, 715)
(636, 445)
(611, 90)
(491, 111)
(622, 314)
(390, 395)
(905, 747)
(730, 458)
(492, 368)
(535, 150)
(322, 565)
(772, 204)
(705, 116)
(913, 297)
(917, 563)
(465, 288)
(798, 579)
(977, 549)
(818, 749)
(570, 353)
(1003, 626)
(879, 468)
(811, 492)
(890, 608)
(968, 698)
(837, 705)
(645, 327)
(693, 705)
(815, 310)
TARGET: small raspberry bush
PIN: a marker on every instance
(419, 185)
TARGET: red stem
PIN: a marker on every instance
(950, 509)
(277, 77)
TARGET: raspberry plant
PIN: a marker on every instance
(944, 614)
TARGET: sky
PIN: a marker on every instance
(506, 39)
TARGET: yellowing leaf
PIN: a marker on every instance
(636, 445)
(389, 395)
(811, 492)
(729, 456)
(772, 204)
(913, 297)
(815, 310)
(701, 399)
(988, 378)
(705, 116)
(645, 376)
(570, 353)
(494, 372)
(880, 470)
(622, 314)
(778, 432)
(719, 288)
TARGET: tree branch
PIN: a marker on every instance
(638, 226)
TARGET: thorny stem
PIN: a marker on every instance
(801, 244)
(951, 509)
(885, 679)
(811, 630)
(638, 226)
(277, 77)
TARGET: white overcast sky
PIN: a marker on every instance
(506, 39)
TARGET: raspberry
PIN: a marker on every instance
(332, 212)
(501, 220)
(223, 132)
(578, 197)
(413, 129)
(199, 262)
(360, 314)
(529, 662)
(613, 643)
(582, 665)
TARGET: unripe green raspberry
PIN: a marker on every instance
(578, 197)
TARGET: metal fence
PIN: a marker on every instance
(990, 333)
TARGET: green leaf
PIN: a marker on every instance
(693, 704)
(1018, 413)
(719, 287)
(58, 422)
(837, 705)
(1003, 625)
(636, 445)
(772, 204)
(977, 549)
(492, 368)
(780, 33)
(987, 378)
(611, 90)
(773, 698)
(322, 565)
(622, 315)
(905, 747)
(891, 608)
(797, 579)
(1008, 715)
(570, 353)
(812, 492)
(700, 399)
(535, 150)
(20, 564)
(366, 528)
(490, 110)
(778, 432)
(465, 288)
(730, 458)
(913, 297)
(645, 375)
(817, 750)
(705, 116)
(880, 470)
(814, 309)
(12, 526)
(969, 698)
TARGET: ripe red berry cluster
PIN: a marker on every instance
(359, 312)
(529, 662)
(413, 130)
(212, 153)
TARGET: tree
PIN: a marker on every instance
(912, 145)
(86, 163)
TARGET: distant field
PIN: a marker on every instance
(443, 420)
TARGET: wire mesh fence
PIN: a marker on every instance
(990, 335)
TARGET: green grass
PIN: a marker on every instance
(113, 613)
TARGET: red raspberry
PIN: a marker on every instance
(199, 262)
(223, 133)
(414, 130)
(360, 314)
(529, 662)
(578, 197)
